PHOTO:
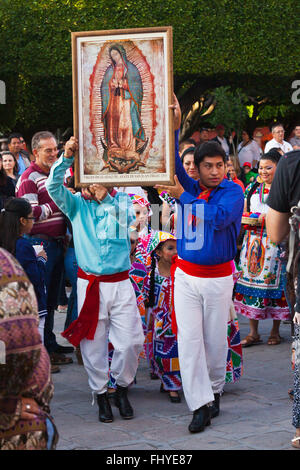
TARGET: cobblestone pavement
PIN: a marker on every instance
(255, 412)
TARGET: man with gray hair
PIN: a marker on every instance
(277, 141)
(49, 230)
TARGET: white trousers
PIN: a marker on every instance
(202, 307)
(120, 322)
(42, 327)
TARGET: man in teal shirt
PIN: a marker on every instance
(106, 299)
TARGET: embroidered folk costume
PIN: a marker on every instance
(165, 361)
(259, 291)
(26, 371)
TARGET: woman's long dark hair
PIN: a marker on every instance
(151, 296)
(10, 225)
(16, 167)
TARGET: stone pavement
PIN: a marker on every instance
(255, 412)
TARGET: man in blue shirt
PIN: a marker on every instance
(106, 299)
(15, 147)
(208, 224)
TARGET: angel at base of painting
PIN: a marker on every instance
(122, 95)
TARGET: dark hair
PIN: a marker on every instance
(153, 196)
(10, 225)
(272, 155)
(18, 134)
(3, 175)
(151, 296)
(23, 285)
(209, 149)
(16, 167)
(70, 183)
(187, 151)
(14, 135)
(155, 202)
(191, 142)
(114, 48)
(249, 132)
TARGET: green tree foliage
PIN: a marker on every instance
(230, 110)
(247, 44)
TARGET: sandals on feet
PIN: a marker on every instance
(274, 339)
(296, 442)
(250, 341)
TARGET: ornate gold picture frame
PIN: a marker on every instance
(122, 90)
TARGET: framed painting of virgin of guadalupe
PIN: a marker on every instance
(122, 90)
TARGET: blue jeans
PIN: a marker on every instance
(54, 267)
(71, 269)
(62, 298)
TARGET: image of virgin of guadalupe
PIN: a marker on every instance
(256, 258)
(122, 95)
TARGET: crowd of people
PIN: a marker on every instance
(168, 293)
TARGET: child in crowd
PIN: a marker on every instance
(158, 292)
(249, 174)
(16, 220)
(143, 213)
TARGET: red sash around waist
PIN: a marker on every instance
(197, 270)
(86, 324)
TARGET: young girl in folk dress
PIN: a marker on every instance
(158, 295)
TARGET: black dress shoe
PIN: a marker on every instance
(64, 349)
(105, 413)
(215, 407)
(175, 398)
(122, 402)
(201, 418)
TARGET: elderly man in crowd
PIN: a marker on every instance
(277, 141)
